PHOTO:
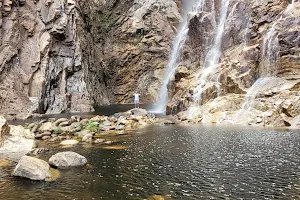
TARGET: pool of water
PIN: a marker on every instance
(183, 162)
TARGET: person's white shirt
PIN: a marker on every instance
(136, 96)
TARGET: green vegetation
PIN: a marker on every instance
(58, 131)
(92, 126)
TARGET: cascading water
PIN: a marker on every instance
(213, 56)
(269, 54)
(175, 55)
(271, 46)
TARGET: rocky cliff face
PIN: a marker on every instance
(127, 45)
(68, 56)
(40, 55)
(258, 72)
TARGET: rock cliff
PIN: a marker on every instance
(257, 73)
(70, 56)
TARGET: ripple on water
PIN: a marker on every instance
(186, 162)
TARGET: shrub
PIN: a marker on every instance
(58, 131)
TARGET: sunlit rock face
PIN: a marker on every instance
(69, 56)
(66, 56)
(250, 51)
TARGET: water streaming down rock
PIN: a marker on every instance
(269, 58)
(213, 56)
(269, 53)
(175, 55)
(271, 47)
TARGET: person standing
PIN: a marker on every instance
(136, 99)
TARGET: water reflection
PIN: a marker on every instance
(185, 162)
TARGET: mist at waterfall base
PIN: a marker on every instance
(189, 162)
(178, 43)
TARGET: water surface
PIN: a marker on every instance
(184, 162)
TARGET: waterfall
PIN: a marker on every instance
(173, 63)
(271, 46)
(213, 56)
(269, 55)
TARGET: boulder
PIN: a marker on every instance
(21, 131)
(15, 147)
(123, 121)
(66, 123)
(99, 118)
(59, 121)
(4, 128)
(75, 118)
(38, 136)
(139, 112)
(46, 137)
(47, 127)
(32, 168)
(67, 159)
(122, 114)
(87, 137)
(82, 133)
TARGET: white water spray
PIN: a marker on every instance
(175, 56)
(213, 56)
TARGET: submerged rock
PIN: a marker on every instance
(159, 197)
(32, 168)
(67, 159)
(4, 163)
(69, 142)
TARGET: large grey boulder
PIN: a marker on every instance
(33, 168)
(67, 159)
(4, 128)
(139, 112)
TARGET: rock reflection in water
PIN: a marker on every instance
(185, 162)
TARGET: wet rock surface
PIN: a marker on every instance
(32, 168)
(67, 159)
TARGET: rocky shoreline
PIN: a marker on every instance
(22, 146)
(23, 143)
